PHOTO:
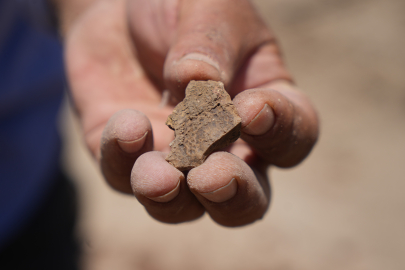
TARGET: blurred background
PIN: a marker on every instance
(342, 208)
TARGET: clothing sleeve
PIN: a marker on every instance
(41, 14)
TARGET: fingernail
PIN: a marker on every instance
(200, 57)
(168, 196)
(202, 67)
(261, 123)
(132, 146)
(222, 194)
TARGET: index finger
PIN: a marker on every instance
(212, 40)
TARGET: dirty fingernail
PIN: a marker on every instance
(222, 194)
(132, 146)
(263, 121)
(200, 66)
(200, 57)
(168, 196)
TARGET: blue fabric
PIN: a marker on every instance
(31, 90)
(40, 13)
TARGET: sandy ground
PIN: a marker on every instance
(343, 208)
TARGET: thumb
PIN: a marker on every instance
(213, 38)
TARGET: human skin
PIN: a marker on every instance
(129, 62)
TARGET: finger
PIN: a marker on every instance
(162, 189)
(152, 24)
(230, 191)
(279, 122)
(127, 135)
(213, 38)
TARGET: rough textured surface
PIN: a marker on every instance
(205, 121)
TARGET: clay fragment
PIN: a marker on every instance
(205, 121)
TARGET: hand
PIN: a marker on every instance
(120, 57)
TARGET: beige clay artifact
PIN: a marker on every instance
(205, 121)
